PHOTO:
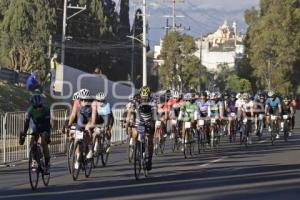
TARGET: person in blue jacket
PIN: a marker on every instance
(32, 84)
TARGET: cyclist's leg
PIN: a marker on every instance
(43, 140)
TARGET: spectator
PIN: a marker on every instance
(32, 84)
(98, 71)
(53, 65)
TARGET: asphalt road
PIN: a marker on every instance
(261, 171)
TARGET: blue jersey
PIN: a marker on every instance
(104, 110)
(273, 105)
(31, 81)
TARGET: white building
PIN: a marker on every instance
(222, 47)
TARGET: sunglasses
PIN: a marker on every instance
(84, 100)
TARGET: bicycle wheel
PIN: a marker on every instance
(185, 144)
(137, 160)
(96, 151)
(199, 141)
(75, 171)
(156, 145)
(130, 153)
(69, 155)
(145, 158)
(46, 177)
(88, 166)
(33, 170)
(105, 151)
(173, 141)
(286, 131)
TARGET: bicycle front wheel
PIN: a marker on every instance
(76, 167)
(105, 151)
(70, 154)
(137, 160)
(33, 170)
(46, 178)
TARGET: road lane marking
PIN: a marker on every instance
(214, 161)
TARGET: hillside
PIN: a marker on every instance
(14, 98)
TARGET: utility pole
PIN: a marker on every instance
(132, 45)
(65, 18)
(174, 12)
(144, 44)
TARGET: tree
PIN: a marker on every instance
(272, 44)
(181, 66)
(26, 27)
(124, 19)
(237, 84)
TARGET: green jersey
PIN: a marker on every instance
(188, 111)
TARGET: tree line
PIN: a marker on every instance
(95, 37)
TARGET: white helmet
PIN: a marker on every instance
(238, 95)
(100, 96)
(213, 96)
(75, 96)
(84, 94)
(175, 94)
(187, 96)
(271, 94)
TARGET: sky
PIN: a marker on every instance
(202, 16)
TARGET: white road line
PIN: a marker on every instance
(213, 161)
(262, 141)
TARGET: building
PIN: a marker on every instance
(221, 47)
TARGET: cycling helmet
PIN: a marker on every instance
(271, 94)
(168, 93)
(188, 96)
(218, 95)
(36, 100)
(145, 91)
(75, 96)
(246, 96)
(100, 96)
(213, 96)
(84, 94)
(175, 94)
(131, 97)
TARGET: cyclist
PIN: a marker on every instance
(145, 113)
(40, 116)
(86, 114)
(214, 111)
(288, 109)
(175, 103)
(231, 112)
(188, 111)
(259, 109)
(273, 107)
(104, 114)
(294, 104)
(248, 113)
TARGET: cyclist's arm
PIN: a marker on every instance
(73, 114)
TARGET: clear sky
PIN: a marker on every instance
(202, 16)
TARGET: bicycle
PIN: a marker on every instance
(260, 125)
(286, 127)
(274, 128)
(141, 152)
(201, 135)
(84, 164)
(159, 139)
(36, 163)
(188, 141)
(100, 146)
(70, 147)
(174, 137)
(214, 134)
(233, 128)
(245, 131)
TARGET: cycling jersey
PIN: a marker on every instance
(214, 110)
(273, 105)
(246, 107)
(104, 109)
(203, 107)
(40, 118)
(144, 112)
(189, 111)
(231, 106)
(84, 114)
(286, 109)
